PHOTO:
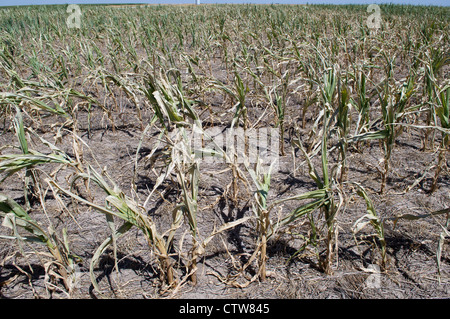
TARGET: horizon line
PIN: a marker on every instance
(216, 3)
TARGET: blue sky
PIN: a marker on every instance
(414, 2)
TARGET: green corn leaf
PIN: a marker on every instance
(298, 213)
(443, 109)
(20, 131)
(102, 248)
(12, 163)
(8, 205)
(376, 135)
(16, 98)
(315, 194)
(371, 216)
(14, 215)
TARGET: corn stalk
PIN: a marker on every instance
(15, 218)
(119, 205)
(443, 112)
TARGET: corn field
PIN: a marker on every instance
(103, 193)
